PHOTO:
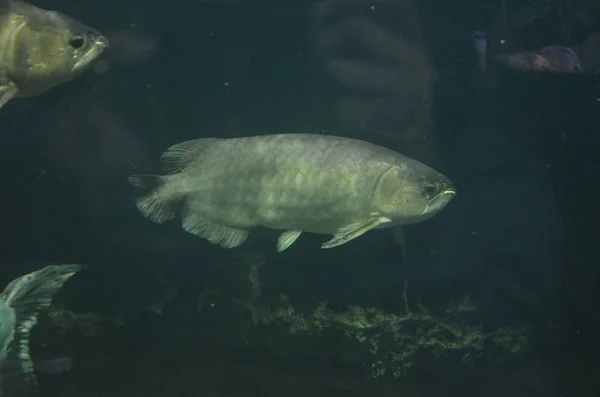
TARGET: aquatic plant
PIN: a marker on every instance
(87, 324)
(394, 341)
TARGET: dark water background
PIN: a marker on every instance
(520, 238)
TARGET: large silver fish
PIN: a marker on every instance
(292, 182)
(40, 49)
(20, 303)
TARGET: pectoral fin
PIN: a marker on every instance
(7, 92)
(287, 238)
(352, 231)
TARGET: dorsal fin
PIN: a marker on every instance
(178, 156)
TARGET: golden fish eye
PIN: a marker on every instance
(430, 189)
(76, 42)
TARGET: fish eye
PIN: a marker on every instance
(430, 189)
(76, 42)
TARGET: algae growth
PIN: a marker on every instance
(394, 341)
(389, 343)
(86, 324)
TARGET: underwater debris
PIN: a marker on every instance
(513, 339)
(87, 324)
(254, 279)
(393, 341)
(170, 290)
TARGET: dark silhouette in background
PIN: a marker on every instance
(377, 71)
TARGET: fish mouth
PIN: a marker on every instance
(100, 44)
(450, 190)
(439, 201)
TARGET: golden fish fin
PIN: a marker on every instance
(287, 238)
(7, 92)
(225, 236)
(353, 230)
(178, 156)
(156, 206)
(400, 239)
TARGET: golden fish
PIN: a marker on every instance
(292, 182)
(40, 49)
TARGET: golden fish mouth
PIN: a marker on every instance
(439, 200)
(441, 195)
(100, 44)
(450, 190)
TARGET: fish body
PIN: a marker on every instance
(40, 49)
(292, 182)
(554, 58)
(20, 303)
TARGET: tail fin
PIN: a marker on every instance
(155, 206)
(23, 299)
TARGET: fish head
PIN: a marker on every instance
(86, 45)
(563, 59)
(411, 193)
(7, 327)
(49, 48)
